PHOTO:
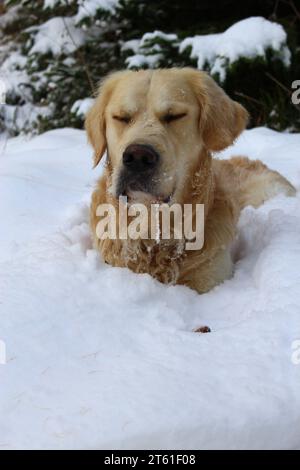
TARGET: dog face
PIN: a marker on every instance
(155, 126)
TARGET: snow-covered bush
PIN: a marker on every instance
(54, 52)
(56, 60)
(216, 53)
(153, 50)
(242, 59)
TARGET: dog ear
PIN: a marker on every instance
(95, 128)
(221, 118)
(95, 118)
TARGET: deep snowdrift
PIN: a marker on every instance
(98, 357)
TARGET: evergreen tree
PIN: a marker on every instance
(56, 51)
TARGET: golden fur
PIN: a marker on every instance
(211, 122)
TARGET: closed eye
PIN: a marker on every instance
(173, 117)
(125, 119)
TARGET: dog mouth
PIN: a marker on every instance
(137, 196)
(144, 192)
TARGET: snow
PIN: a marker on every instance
(89, 8)
(8, 17)
(141, 60)
(51, 4)
(2, 91)
(99, 357)
(146, 51)
(58, 35)
(17, 84)
(22, 118)
(148, 37)
(247, 38)
(81, 107)
(13, 73)
(132, 45)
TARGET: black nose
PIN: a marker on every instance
(138, 158)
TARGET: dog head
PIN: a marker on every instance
(155, 126)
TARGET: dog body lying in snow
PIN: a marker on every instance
(159, 129)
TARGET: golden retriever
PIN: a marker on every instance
(160, 128)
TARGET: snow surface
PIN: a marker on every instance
(247, 38)
(99, 357)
